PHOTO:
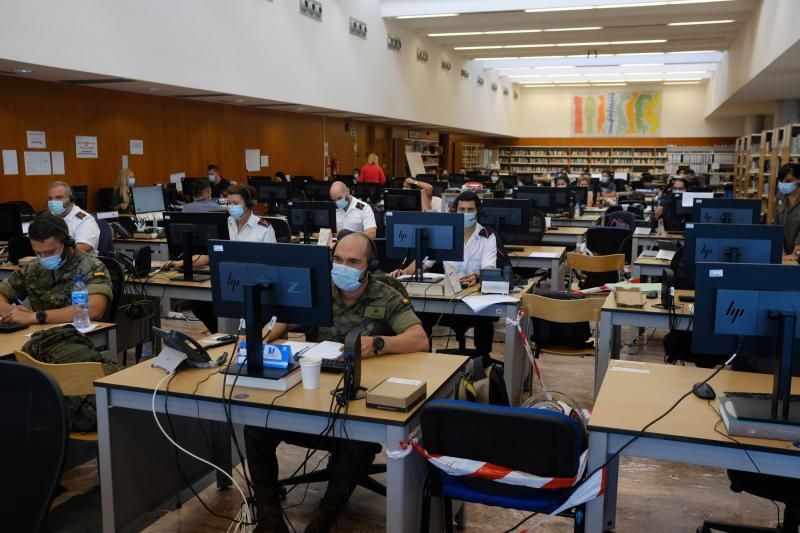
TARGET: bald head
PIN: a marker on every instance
(339, 191)
(354, 250)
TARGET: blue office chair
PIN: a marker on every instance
(536, 441)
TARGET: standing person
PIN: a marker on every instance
(352, 214)
(122, 198)
(202, 201)
(372, 171)
(82, 226)
(786, 212)
(218, 183)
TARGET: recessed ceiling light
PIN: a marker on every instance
(681, 82)
(508, 32)
(595, 43)
(527, 76)
(727, 21)
(606, 74)
(455, 34)
(437, 15)
(638, 54)
(615, 6)
(542, 57)
(641, 73)
(154, 89)
(574, 85)
(695, 52)
(585, 28)
(687, 72)
(492, 47)
(685, 79)
(642, 65)
(635, 4)
(590, 55)
(563, 75)
(528, 46)
(495, 58)
(545, 9)
(545, 67)
(541, 85)
(609, 84)
(644, 80)
(644, 41)
(608, 81)
(22, 71)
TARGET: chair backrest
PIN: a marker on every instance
(103, 197)
(74, 379)
(283, 233)
(563, 311)
(595, 263)
(543, 443)
(105, 248)
(620, 219)
(33, 447)
(117, 275)
(26, 211)
(604, 240)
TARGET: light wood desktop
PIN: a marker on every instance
(104, 335)
(550, 258)
(564, 236)
(131, 448)
(583, 221)
(634, 394)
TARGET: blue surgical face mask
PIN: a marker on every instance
(52, 262)
(494, 179)
(236, 211)
(131, 182)
(787, 188)
(469, 219)
(56, 206)
(345, 277)
(341, 203)
(212, 178)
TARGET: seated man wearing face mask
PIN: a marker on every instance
(352, 214)
(218, 184)
(47, 282)
(82, 226)
(786, 212)
(389, 326)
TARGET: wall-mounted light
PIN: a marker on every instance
(446, 65)
(312, 9)
(494, 86)
(464, 73)
(505, 91)
(481, 81)
(393, 42)
(422, 55)
(358, 28)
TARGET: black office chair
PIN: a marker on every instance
(543, 443)
(117, 284)
(26, 211)
(105, 248)
(283, 233)
(33, 447)
(775, 488)
(104, 196)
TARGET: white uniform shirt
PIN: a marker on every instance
(436, 205)
(358, 216)
(480, 251)
(83, 227)
(254, 230)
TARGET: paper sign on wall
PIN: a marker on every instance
(37, 163)
(10, 165)
(252, 159)
(124, 161)
(85, 147)
(176, 179)
(137, 147)
(58, 163)
(36, 139)
(325, 150)
(264, 160)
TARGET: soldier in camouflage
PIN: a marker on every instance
(388, 325)
(47, 281)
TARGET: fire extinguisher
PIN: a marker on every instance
(334, 166)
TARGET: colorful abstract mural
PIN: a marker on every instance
(617, 113)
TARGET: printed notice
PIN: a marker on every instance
(124, 161)
(36, 139)
(137, 147)
(264, 160)
(85, 147)
(252, 160)
(37, 164)
(10, 164)
(58, 163)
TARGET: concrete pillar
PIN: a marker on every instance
(787, 112)
(753, 124)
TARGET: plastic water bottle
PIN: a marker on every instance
(80, 304)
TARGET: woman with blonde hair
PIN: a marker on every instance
(122, 198)
(372, 171)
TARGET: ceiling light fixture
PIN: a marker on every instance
(687, 72)
(642, 65)
(22, 71)
(644, 80)
(585, 28)
(508, 32)
(528, 46)
(492, 47)
(455, 34)
(574, 85)
(608, 81)
(642, 73)
(496, 58)
(526, 76)
(615, 6)
(695, 52)
(436, 15)
(699, 22)
(685, 79)
(681, 83)
(540, 85)
(553, 67)
(563, 75)
(609, 84)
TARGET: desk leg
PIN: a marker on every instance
(404, 481)
(601, 512)
(557, 275)
(635, 247)
(104, 460)
(111, 343)
(603, 335)
(636, 271)
(514, 358)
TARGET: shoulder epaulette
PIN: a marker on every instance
(485, 232)
(264, 222)
(359, 205)
(80, 215)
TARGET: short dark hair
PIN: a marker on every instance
(47, 225)
(682, 180)
(689, 172)
(245, 191)
(212, 167)
(467, 196)
(790, 168)
(200, 187)
(280, 175)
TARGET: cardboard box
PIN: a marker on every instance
(396, 394)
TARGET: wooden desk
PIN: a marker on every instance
(564, 236)
(136, 463)
(640, 242)
(633, 395)
(131, 246)
(648, 266)
(584, 221)
(551, 258)
(612, 318)
(103, 336)
(6, 269)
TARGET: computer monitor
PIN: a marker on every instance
(368, 192)
(687, 199)
(581, 195)
(480, 178)
(437, 236)
(724, 211)
(542, 198)
(188, 234)
(10, 222)
(402, 200)
(526, 178)
(456, 180)
(729, 243)
(148, 200)
(257, 281)
(187, 185)
(561, 198)
(509, 218)
(275, 194)
(509, 182)
(439, 187)
(347, 179)
(80, 194)
(299, 182)
(309, 217)
(751, 310)
(318, 191)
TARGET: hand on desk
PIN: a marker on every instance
(790, 258)
(469, 281)
(367, 347)
(19, 314)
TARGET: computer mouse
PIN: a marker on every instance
(704, 391)
(651, 294)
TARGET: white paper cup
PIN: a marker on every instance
(310, 369)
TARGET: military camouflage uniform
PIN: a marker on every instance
(381, 310)
(52, 289)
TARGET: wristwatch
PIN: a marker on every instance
(377, 343)
(41, 317)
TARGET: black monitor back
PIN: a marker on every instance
(726, 211)
(317, 190)
(316, 214)
(201, 226)
(80, 195)
(402, 200)
(10, 222)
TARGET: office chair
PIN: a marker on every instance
(543, 443)
(26, 211)
(283, 233)
(105, 248)
(599, 269)
(562, 322)
(117, 284)
(33, 447)
(104, 196)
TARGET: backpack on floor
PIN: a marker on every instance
(483, 384)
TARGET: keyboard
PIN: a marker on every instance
(11, 328)
(334, 366)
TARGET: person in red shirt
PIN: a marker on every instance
(372, 171)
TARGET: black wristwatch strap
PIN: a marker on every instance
(41, 317)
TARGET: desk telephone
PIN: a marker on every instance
(196, 355)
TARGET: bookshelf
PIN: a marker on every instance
(429, 150)
(471, 156)
(547, 159)
(714, 160)
(784, 148)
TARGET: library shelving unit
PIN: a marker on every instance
(748, 150)
(714, 160)
(547, 159)
(471, 156)
(429, 150)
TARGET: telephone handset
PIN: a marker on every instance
(197, 356)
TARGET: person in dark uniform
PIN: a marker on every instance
(218, 183)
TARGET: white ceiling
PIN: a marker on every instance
(618, 46)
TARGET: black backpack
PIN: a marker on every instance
(546, 333)
(483, 384)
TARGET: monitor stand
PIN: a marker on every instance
(188, 266)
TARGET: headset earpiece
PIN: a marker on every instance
(373, 263)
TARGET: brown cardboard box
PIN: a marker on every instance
(396, 394)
